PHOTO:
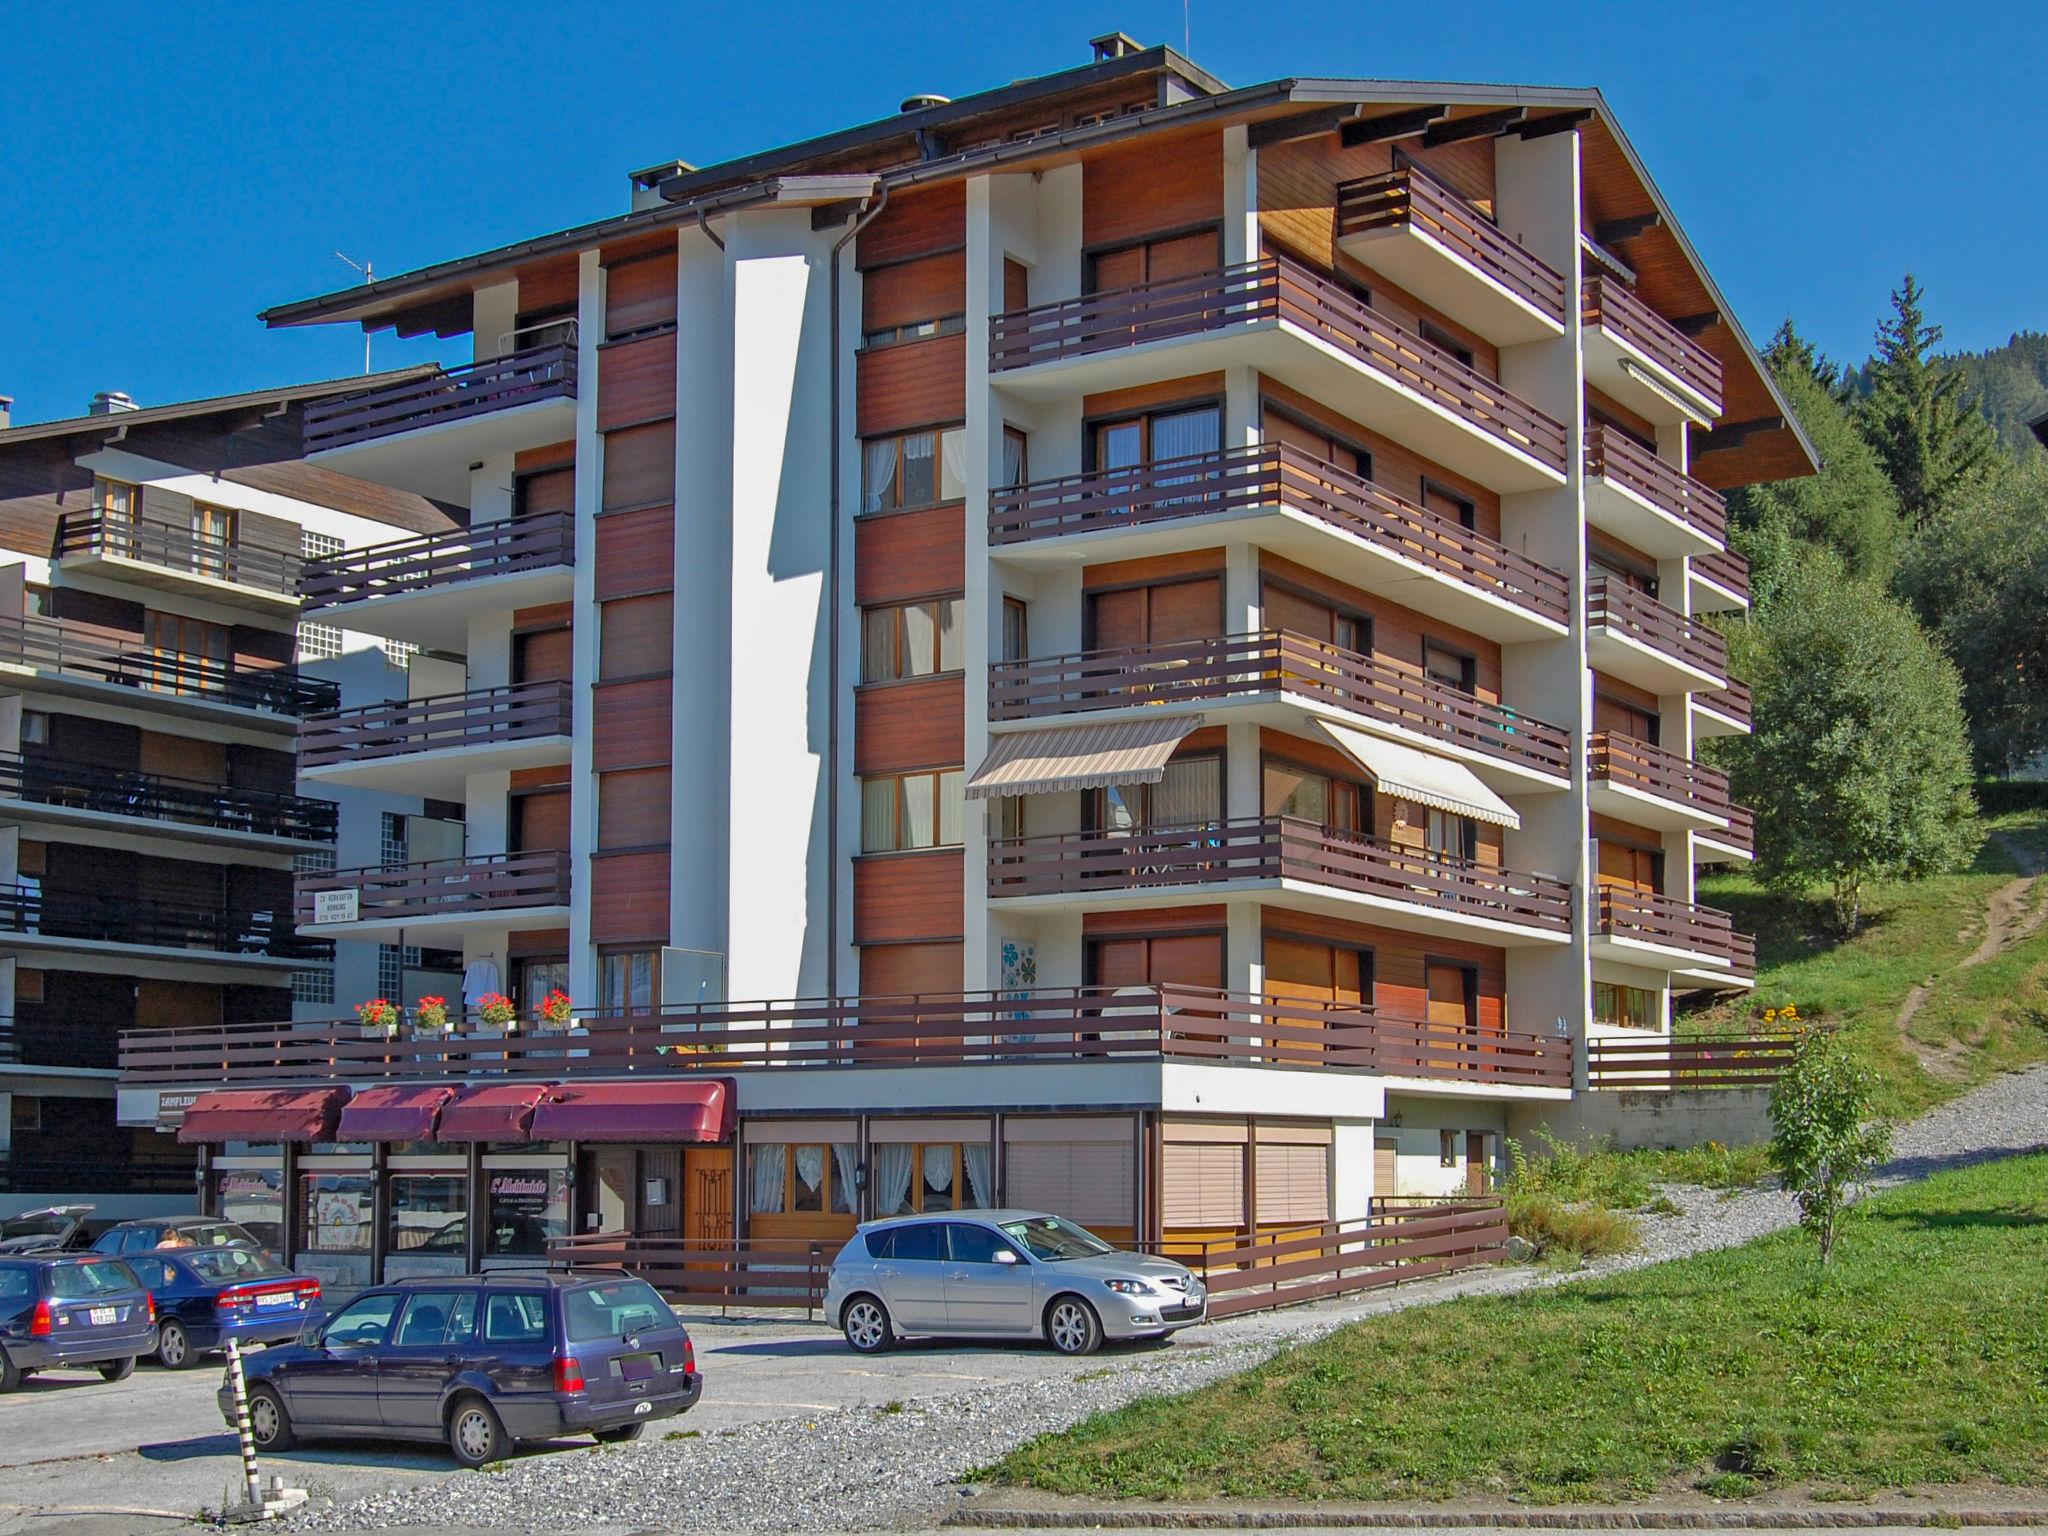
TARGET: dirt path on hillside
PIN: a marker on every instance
(2009, 916)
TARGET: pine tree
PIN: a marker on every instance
(1934, 447)
(1790, 351)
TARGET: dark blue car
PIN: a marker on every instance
(482, 1362)
(205, 1294)
(72, 1310)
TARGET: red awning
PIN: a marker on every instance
(700, 1110)
(401, 1112)
(499, 1112)
(264, 1114)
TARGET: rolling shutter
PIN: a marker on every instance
(1293, 1184)
(1091, 1182)
(1201, 1186)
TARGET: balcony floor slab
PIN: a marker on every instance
(443, 773)
(1617, 508)
(159, 961)
(275, 606)
(1619, 655)
(1639, 382)
(1604, 797)
(433, 460)
(1610, 949)
(439, 929)
(147, 834)
(438, 617)
(1411, 257)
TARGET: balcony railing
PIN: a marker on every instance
(453, 394)
(1621, 610)
(1275, 288)
(1725, 569)
(1279, 476)
(445, 887)
(1274, 848)
(1410, 199)
(49, 645)
(26, 910)
(1733, 701)
(486, 717)
(1046, 1025)
(1271, 661)
(1617, 310)
(433, 560)
(1625, 463)
(1631, 764)
(1668, 1064)
(1643, 917)
(46, 780)
(178, 549)
(1741, 832)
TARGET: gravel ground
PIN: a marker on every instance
(870, 1468)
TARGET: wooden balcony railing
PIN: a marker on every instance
(1647, 918)
(106, 919)
(1616, 309)
(1625, 463)
(1275, 288)
(1632, 764)
(1734, 701)
(453, 394)
(1280, 476)
(504, 548)
(1666, 1065)
(1271, 661)
(486, 717)
(1411, 199)
(445, 887)
(50, 645)
(1274, 848)
(1621, 610)
(1725, 569)
(1039, 1026)
(1741, 832)
(44, 779)
(178, 549)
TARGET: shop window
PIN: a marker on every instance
(921, 1177)
(427, 1227)
(802, 1178)
(529, 1209)
(335, 1226)
(252, 1198)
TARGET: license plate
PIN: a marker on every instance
(102, 1316)
(275, 1299)
(638, 1367)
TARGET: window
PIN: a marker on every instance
(1447, 1149)
(1280, 425)
(1449, 668)
(429, 1211)
(317, 641)
(315, 545)
(116, 500)
(1189, 795)
(628, 979)
(391, 839)
(787, 1179)
(1158, 435)
(910, 640)
(613, 1310)
(1007, 817)
(1448, 504)
(1154, 261)
(390, 972)
(313, 861)
(1315, 797)
(977, 1245)
(398, 654)
(901, 811)
(515, 1317)
(916, 469)
(314, 986)
(1016, 629)
(534, 977)
(1444, 341)
(927, 1177)
(915, 330)
(334, 1212)
(529, 1208)
(192, 654)
(35, 728)
(1455, 837)
(1016, 458)
(437, 1317)
(1625, 1007)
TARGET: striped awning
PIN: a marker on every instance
(1080, 757)
(1423, 778)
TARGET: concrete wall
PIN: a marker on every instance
(1634, 1121)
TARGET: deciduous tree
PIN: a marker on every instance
(1827, 1140)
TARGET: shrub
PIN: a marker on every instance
(1561, 1229)
(1828, 1140)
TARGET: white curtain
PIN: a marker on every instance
(892, 1178)
(879, 478)
(977, 1155)
(810, 1174)
(952, 465)
(938, 1173)
(770, 1163)
(1013, 460)
(845, 1174)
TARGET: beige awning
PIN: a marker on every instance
(1080, 757)
(1423, 778)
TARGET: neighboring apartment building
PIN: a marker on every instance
(152, 684)
(1168, 614)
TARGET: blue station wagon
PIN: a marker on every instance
(75, 1310)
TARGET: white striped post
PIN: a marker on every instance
(239, 1385)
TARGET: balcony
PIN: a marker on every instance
(1302, 329)
(1270, 678)
(438, 898)
(165, 557)
(1641, 359)
(1650, 787)
(1720, 581)
(422, 434)
(1694, 943)
(41, 788)
(1722, 711)
(1639, 640)
(55, 657)
(1646, 502)
(427, 589)
(1732, 844)
(430, 746)
(1322, 869)
(1288, 502)
(1412, 229)
(186, 940)
(1102, 1042)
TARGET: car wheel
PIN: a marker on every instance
(866, 1325)
(476, 1436)
(269, 1425)
(11, 1375)
(118, 1370)
(1073, 1327)
(174, 1349)
(618, 1436)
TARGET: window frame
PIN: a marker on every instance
(899, 811)
(900, 643)
(1146, 421)
(1097, 803)
(609, 955)
(1361, 456)
(938, 433)
(1364, 794)
(1468, 666)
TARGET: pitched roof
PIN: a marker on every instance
(285, 394)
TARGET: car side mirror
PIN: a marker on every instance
(1006, 1256)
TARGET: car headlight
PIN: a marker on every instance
(1129, 1287)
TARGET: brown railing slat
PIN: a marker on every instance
(177, 548)
(440, 722)
(1411, 199)
(502, 548)
(452, 394)
(1620, 609)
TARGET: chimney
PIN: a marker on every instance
(1114, 45)
(6, 412)
(110, 402)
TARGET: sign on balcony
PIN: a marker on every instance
(335, 906)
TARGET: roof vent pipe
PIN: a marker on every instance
(110, 402)
(921, 101)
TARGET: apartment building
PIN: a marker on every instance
(153, 677)
(1117, 644)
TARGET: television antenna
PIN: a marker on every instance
(369, 276)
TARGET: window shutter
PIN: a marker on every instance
(1201, 1186)
(1293, 1184)
(1086, 1181)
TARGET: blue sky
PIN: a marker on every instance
(166, 171)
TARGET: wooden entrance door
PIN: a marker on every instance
(1477, 1174)
(1386, 1173)
(707, 1194)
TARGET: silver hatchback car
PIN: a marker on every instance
(1004, 1274)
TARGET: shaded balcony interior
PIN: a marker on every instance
(61, 790)
(188, 667)
(202, 558)
(429, 746)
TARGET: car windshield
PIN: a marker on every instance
(1051, 1239)
(610, 1311)
(233, 1264)
(91, 1278)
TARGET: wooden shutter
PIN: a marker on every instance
(898, 970)
(1312, 441)
(1118, 269)
(543, 655)
(184, 757)
(633, 808)
(1189, 959)
(1016, 285)
(1297, 968)
(1092, 1182)
(1186, 610)
(1449, 995)
(1634, 869)
(551, 490)
(1201, 1186)
(1184, 255)
(1386, 1169)
(1116, 619)
(541, 821)
(637, 637)
(640, 295)
(1293, 1184)
(1286, 608)
(914, 291)
(640, 466)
